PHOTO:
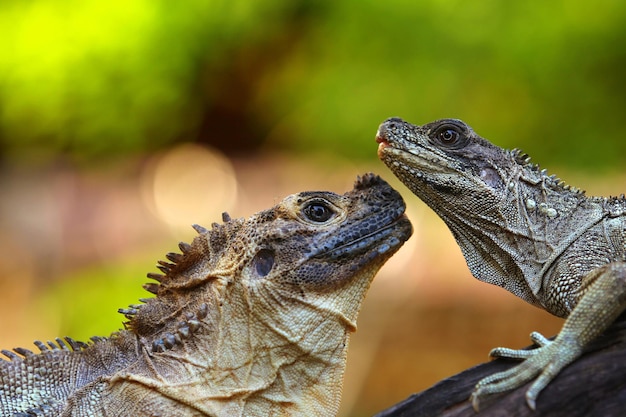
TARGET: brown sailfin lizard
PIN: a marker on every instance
(250, 319)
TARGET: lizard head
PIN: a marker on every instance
(306, 261)
(493, 200)
(447, 165)
(259, 310)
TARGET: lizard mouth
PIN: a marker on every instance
(387, 145)
(384, 239)
(380, 138)
(382, 143)
(412, 157)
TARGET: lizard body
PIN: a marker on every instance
(520, 229)
(251, 319)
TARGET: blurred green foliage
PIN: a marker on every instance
(94, 312)
(93, 79)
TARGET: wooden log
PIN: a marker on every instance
(593, 385)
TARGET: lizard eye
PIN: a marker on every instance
(263, 262)
(450, 136)
(318, 212)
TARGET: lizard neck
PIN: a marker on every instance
(514, 243)
(251, 353)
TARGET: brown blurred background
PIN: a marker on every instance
(122, 125)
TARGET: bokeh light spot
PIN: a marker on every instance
(189, 184)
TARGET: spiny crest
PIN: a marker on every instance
(616, 205)
(66, 344)
(205, 248)
(184, 329)
(366, 181)
(524, 160)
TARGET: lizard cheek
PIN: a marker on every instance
(263, 262)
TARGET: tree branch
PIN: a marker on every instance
(594, 385)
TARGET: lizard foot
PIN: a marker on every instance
(544, 362)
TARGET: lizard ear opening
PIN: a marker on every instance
(263, 262)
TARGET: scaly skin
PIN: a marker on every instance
(252, 319)
(520, 229)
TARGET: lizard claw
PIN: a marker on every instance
(475, 399)
(544, 362)
(531, 400)
(538, 339)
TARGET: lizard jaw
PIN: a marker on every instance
(385, 238)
